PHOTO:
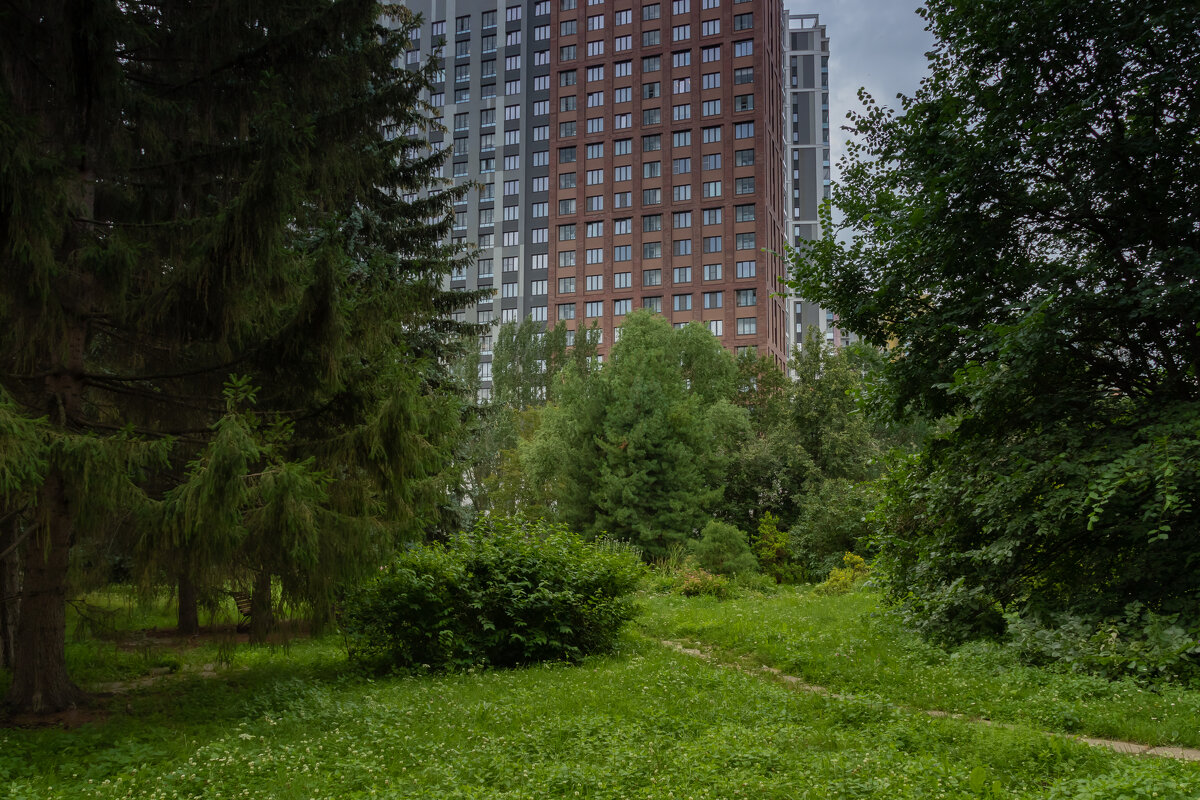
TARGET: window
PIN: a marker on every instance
(681, 166)
(541, 108)
(566, 258)
(710, 135)
(566, 77)
(681, 138)
(680, 193)
(595, 283)
(622, 307)
(487, 216)
(622, 121)
(461, 122)
(566, 311)
(652, 169)
(462, 73)
(716, 327)
(651, 63)
(744, 241)
(566, 103)
(712, 272)
(681, 85)
(746, 269)
(710, 54)
(622, 95)
(651, 90)
(623, 252)
(744, 185)
(681, 33)
(711, 108)
(651, 249)
(651, 223)
(512, 13)
(747, 325)
(538, 313)
(622, 43)
(743, 22)
(512, 162)
(510, 137)
(541, 9)
(566, 53)
(566, 155)
(712, 216)
(653, 11)
(595, 202)
(712, 299)
(681, 58)
(485, 267)
(594, 309)
(623, 173)
(743, 130)
(512, 187)
(622, 199)
(541, 133)
(623, 69)
(652, 303)
(595, 73)
(595, 23)
(743, 75)
(681, 112)
(743, 102)
(652, 277)
(566, 286)
(681, 6)
(512, 38)
(652, 116)
(681, 247)
(746, 297)
(595, 176)
(541, 58)
(509, 290)
(462, 49)
(595, 48)
(683, 302)
(744, 213)
(623, 226)
(462, 24)
(568, 28)
(681, 219)
(712, 244)
(711, 189)
(743, 158)
(541, 33)
(710, 80)
(623, 17)
(711, 161)
(512, 112)
(622, 280)
(438, 28)
(622, 147)
(595, 150)
(710, 27)
(652, 143)
(566, 129)
(566, 233)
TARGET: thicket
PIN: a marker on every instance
(1025, 230)
(509, 591)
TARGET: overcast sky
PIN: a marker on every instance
(879, 44)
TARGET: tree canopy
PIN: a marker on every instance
(1025, 231)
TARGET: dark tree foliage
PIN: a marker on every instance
(1027, 236)
(223, 332)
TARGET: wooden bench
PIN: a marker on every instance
(242, 600)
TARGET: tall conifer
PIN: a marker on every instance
(222, 321)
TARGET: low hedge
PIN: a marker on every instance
(508, 592)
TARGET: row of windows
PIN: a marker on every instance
(744, 298)
(680, 302)
(650, 116)
(621, 44)
(709, 190)
(679, 33)
(595, 151)
(488, 18)
(653, 277)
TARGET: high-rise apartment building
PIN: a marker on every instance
(629, 155)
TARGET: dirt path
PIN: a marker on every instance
(1116, 745)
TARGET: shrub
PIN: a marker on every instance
(508, 592)
(845, 579)
(834, 518)
(722, 549)
(694, 581)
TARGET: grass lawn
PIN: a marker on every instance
(646, 722)
(846, 644)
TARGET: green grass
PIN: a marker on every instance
(847, 644)
(646, 722)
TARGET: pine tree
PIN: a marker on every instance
(191, 192)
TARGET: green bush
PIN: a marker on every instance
(694, 581)
(722, 549)
(835, 518)
(509, 592)
(844, 579)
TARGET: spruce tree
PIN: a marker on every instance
(223, 327)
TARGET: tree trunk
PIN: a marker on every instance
(10, 588)
(189, 601)
(40, 683)
(261, 620)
